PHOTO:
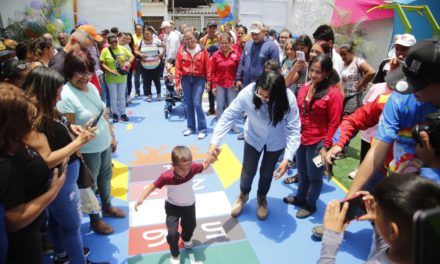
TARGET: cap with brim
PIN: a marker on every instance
(420, 68)
(91, 31)
(398, 81)
(212, 24)
(256, 27)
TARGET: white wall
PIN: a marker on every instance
(273, 13)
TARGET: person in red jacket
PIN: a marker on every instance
(320, 106)
(193, 71)
(224, 64)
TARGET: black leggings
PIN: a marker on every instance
(25, 245)
(147, 77)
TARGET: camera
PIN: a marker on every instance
(432, 127)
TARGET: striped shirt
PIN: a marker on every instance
(150, 53)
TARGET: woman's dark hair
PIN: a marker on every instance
(244, 28)
(15, 123)
(273, 65)
(401, 195)
(278, 104)
(78, 61)
(131, 43)
(43, 83)
(22, 49)
(12, 71)
(40, 45)
(326, 48)
(306, 41)
(321, 88)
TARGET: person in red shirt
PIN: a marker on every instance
(180, 201)
(193, 71)
(224, 64)
(320, 107)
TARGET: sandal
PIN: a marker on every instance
(101, 227)
(113, 212)
(290, 180)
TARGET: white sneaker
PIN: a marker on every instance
(188, 244)
(174, 260)
(202, 135)
(352, 174)
(236, 130)
(188, 132)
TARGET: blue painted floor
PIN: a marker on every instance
(144, 146)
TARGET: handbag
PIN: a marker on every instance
(85, 178)
(118, 66)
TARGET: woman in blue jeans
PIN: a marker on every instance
(320, 106)
(272, 126)
(64, 212)
(193, 74)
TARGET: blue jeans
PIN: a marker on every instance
(224, 97)
(310, 177)
(251, 156)
(65, 218)
(193, 88)
(117, 97)
(100, 165)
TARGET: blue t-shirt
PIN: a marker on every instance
(86, 106)
(430, 173)
(400, 114)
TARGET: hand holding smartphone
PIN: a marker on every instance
(300, 55)
(95, 122)
(356, 207)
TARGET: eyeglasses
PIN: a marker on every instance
(85, 75)
(113, 41)
(265, 99)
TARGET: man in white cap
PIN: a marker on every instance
(172, 42)
(401, 46)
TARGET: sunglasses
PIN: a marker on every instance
(113, 41)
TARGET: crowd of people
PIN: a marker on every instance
(301, 99)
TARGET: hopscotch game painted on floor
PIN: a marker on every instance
(217, 234)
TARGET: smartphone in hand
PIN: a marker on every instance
(318, 161)
(95, 122)
(356, 207)
(300, 55)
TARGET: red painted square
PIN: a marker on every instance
(136, 189)
(143, 240)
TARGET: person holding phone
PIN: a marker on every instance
(53, 141)
(26, 188)
(320, 107)
(391, 207)
(80, 102)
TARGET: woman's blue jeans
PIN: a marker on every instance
(193, 88)
(251, 157)
(65, 218)
(310, 177)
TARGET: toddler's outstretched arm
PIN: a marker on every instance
(150, 188)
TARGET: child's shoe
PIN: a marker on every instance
(188, 244)
(174, 260)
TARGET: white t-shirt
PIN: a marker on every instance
(172, 43)
(194, 51)
(351, 74)
(338, 63)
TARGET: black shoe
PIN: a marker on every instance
(125, 118)
(293, 200)
(115, 118)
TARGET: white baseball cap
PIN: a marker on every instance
(165, 24)
(406, 40)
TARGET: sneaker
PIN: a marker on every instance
(306, 211)
(236, 130)
(318, 231)
(188, 244)
(202, 134)
(125, 118)
(239, 203)
(241, 136)
(149, 98)
(174, 260)
(159, 97)
(352, 174)
(262, 207)
(188, 132)
(129, 99)
(115, 118)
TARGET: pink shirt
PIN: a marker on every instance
(179, 190)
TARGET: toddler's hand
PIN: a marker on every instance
(138, 203)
